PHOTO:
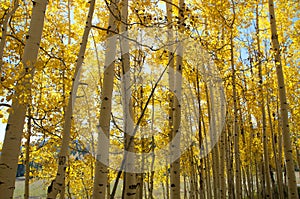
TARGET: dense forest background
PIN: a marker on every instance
(151, 98)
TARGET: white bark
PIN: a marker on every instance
(101, 169)
(175, 146)
(264, 123)
(288, 152)
(130, 184)
(57, 186)
(238, 188)
(171, 79)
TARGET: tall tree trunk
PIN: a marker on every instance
(16, 119)
(57, 185)
(27, 158)
(222, 166)
(276, 158)
(130, 184)
(236, 134)
(151, 183)
(250, 167)
(262, 178)
(238, 187)
(207, 165)
(175, 146)
(171, 78)
(257, 182)
(101, 169)
(288, 151)
(215, 149)
(280, 152)
(229, 163)
(263, 111)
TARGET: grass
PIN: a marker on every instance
(37, 189)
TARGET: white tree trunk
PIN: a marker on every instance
(263, 111)
(130, 184)
(57, 185)
(238, 187)
(288, 152)
(101, 169)
(171, 79)
(16, 119)
(175, 146)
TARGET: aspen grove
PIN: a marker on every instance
(163, 99)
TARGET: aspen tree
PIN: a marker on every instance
(171, 78)
(152, 154)
(277, 159)
(27, 157)
(222, 151)
(288, 152)
(130, 184)
(14, 129)
(175, 165)
(200, 167)
(222, 166)
(263, 111)
(101, 170)
(237, 169)
(57, 185)
(215, 149)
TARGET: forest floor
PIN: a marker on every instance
(38, 188)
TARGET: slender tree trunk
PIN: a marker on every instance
(151, 183)
(280, 152)
(263, 111)
(222, 167)
(130, 184)
(101, 169)
(257, 182)
(14, 129)
(236, 134)
(27, 158)
(288, 151)
(171, 79)
(215, 148)
(207, 165)
(185, 187)
(276, 159)
(268, 193)
(229, 163)
(57, 185)
(200, 168)
(246, 190)
(238, 187)
(191, 175)
(175, 146)
(298, 155)
(249, 168)
(167, 184)
(250, 182)
(140, 176)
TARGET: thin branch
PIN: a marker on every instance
(6, 105)
(112, 196)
